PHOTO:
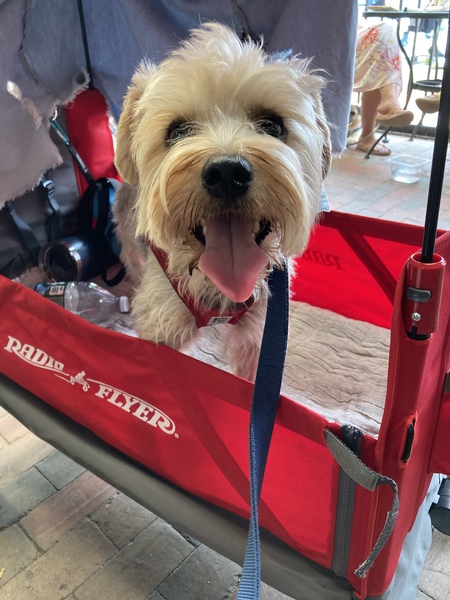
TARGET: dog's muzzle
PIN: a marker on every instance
(227, 177)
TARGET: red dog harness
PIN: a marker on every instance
(203, 315)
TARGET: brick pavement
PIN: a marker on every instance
(64, 533)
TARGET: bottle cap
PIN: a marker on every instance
(124, 304)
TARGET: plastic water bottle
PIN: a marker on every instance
(86, 299)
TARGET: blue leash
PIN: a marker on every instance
(262, 418)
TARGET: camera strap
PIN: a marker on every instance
(95, 217)
(53, 222)
(73, 151)
(26, 233)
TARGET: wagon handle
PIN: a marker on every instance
(438, 163)
(422, 296)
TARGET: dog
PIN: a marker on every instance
(354, 125)
(222, 150)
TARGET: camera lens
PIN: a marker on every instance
(73, 258)
(60, 265)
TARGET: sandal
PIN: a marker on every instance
(379, 150)
(429, 104)
(364, 145)
(399, 118)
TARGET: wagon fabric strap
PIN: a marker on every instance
(370, 480)
(262, 418)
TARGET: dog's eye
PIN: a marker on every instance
(271, 125)
(179, 130)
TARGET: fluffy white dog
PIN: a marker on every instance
(223, 150)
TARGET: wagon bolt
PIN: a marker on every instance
(415, 316)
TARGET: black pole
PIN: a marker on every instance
(85, 43)
(438, 163)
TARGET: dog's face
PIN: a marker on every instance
(354, 121)
(229, 150)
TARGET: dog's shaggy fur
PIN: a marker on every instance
(223, 150)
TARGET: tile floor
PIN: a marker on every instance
(66, 534)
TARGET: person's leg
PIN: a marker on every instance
(390, 112)
(378, 73)
(369, 111)
(389, 99)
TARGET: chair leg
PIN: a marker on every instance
(416, 127)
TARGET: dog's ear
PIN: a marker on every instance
(323, 125)
(128, 122)
(311, 82)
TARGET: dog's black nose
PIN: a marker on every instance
(227, 177)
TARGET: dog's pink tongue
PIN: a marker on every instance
(232, 259)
